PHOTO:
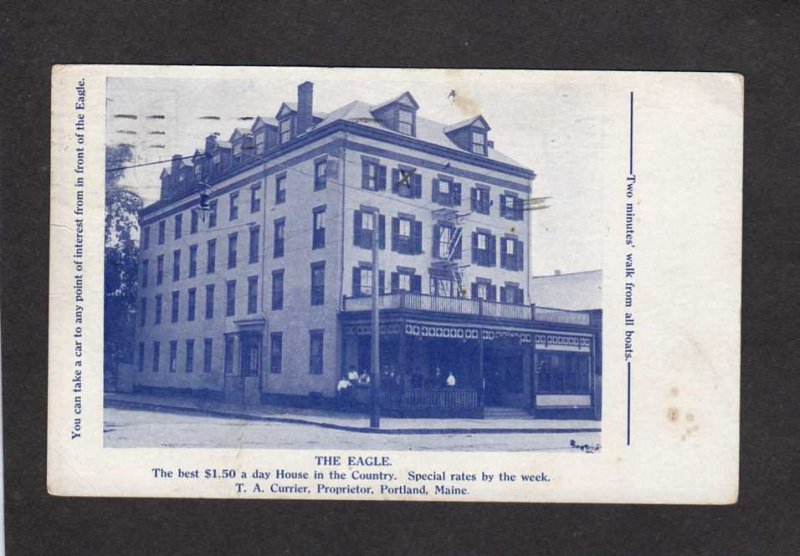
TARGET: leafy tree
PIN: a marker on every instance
(121, 263)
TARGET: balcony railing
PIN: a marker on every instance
(475, 307)
(420, 398)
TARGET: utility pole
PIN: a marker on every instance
(375, 383)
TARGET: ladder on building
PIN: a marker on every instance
(447, 263)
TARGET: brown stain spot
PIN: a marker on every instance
(690, 417)
(464, 103)
(673, 391)
(673, 414)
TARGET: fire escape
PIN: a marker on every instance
(448, 261)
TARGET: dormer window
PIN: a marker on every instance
(217, 162)
(479, 142)
(260, 142)
(198, 171)
(405, 121)
(285, 130)
(237, 152)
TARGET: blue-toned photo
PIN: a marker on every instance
(348, 265)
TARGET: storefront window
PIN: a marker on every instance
(563, 373)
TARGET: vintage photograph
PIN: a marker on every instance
(338, 264)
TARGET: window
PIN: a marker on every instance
(178, 226)
(142, 311)
(315, 351)
(175, 306)
(373, 175)
(173, 356)
(280, 189)
(479, 198)
(212, 214)
(145, 269)
(233, 240)
(443, 286)
(250, 345)
(210, 301)
(405, 122)
(198, 171)
(318, 283)
(446, 192)
(176, 265)
(156, 355)
(445, 237)
(276, 352)
(406, 182)
(255, 233)
(444, 241)
(362, 281)
(320, 174)
(162, 230)
(364, 225)
(562, 373)
(318, 237)
(230, 298)
(140, 358)
(233, 207)
(511, 253)
(484, 249)
(211, 256)
(159, 270)
(228, 355)
(278, 240)
(285, 130)
(146, 238)
(216, 162)
(194, 222)
(406, 280)
(237, 151)
(260, 142)
(158, 309)
(252, 295)
(192, 261)
(406, 235)
(277, 290)
(484, 290)
(479, 143)
(511, 207)
(512, 294)
(189, 356)
(208, 352)
(255, 198)
(192, 303)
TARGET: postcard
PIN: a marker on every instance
(395, 284)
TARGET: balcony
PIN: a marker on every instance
(474, 307)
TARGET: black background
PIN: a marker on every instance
(759, 40)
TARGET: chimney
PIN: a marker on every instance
(305, 106)
(176, 160)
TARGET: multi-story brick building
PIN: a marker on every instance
(256, 268)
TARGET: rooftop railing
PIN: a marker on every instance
(474, 307)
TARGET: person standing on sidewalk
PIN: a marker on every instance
(344, 391)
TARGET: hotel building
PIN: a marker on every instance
(256, 270)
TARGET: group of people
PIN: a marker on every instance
(349, 381)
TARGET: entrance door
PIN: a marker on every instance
(504, 371)
(250, 367)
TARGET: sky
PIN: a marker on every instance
(557, 128)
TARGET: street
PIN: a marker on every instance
(127, 428)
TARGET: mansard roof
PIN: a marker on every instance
(475, 121)
(406, 99)
(262, 121)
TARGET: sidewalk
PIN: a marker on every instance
(345, 421)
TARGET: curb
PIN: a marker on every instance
(123, 404)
